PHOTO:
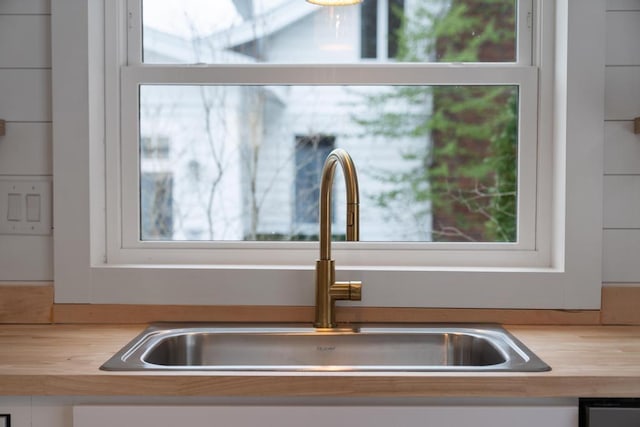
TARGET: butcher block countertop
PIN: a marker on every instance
(47, 360)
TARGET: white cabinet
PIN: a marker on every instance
(15, 411)
(321, 416)
(101, 411)
(35, 411)
(51, 411)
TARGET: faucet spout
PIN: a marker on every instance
(327, 289)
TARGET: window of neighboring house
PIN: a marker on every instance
(156, 206)
(371, 37)
(155, 148)
(156, 187)
(310, 152)
(458, 141)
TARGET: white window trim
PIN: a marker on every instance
(569, 279)
(125, 247)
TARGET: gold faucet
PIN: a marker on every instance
(327, 289)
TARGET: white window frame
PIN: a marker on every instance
(559, 269)
(125, 247)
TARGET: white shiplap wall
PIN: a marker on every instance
(25, 61)
(621, 251)
(25, 104)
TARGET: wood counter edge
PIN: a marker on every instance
(531, 385)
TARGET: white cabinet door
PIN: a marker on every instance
(322, 416)
(51, 411)
(15, 411)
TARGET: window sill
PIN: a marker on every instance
(539, 288)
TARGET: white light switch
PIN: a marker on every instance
(14, 207)
(25, 205)
(33, 208)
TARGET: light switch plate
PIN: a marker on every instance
(25, 206)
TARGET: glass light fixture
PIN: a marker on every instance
(334, 2)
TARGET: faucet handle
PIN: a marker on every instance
(355, 290)
(351, 291)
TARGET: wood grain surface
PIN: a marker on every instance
(121, 313)
(26, 303)
(620, 305)
(33, 303)
(64, 360)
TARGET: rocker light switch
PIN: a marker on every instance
(33, 208)
(25, 206)
(14, 207)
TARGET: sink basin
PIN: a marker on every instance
(299, 348)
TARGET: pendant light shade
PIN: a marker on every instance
(334, 2)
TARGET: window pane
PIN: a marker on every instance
(294, 31)
(311, 151)
(435, 163)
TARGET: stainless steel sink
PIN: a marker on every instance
(298, 348)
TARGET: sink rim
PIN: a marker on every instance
(518, 358)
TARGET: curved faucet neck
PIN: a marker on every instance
(338, 156)
(327, 289)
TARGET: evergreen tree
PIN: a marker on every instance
(466, 175)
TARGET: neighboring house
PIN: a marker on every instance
(243, 163)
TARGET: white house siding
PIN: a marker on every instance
(329, 35)
(256, 129)
(25, 104)
(328, 110)
(178, 113)
(621, 249)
